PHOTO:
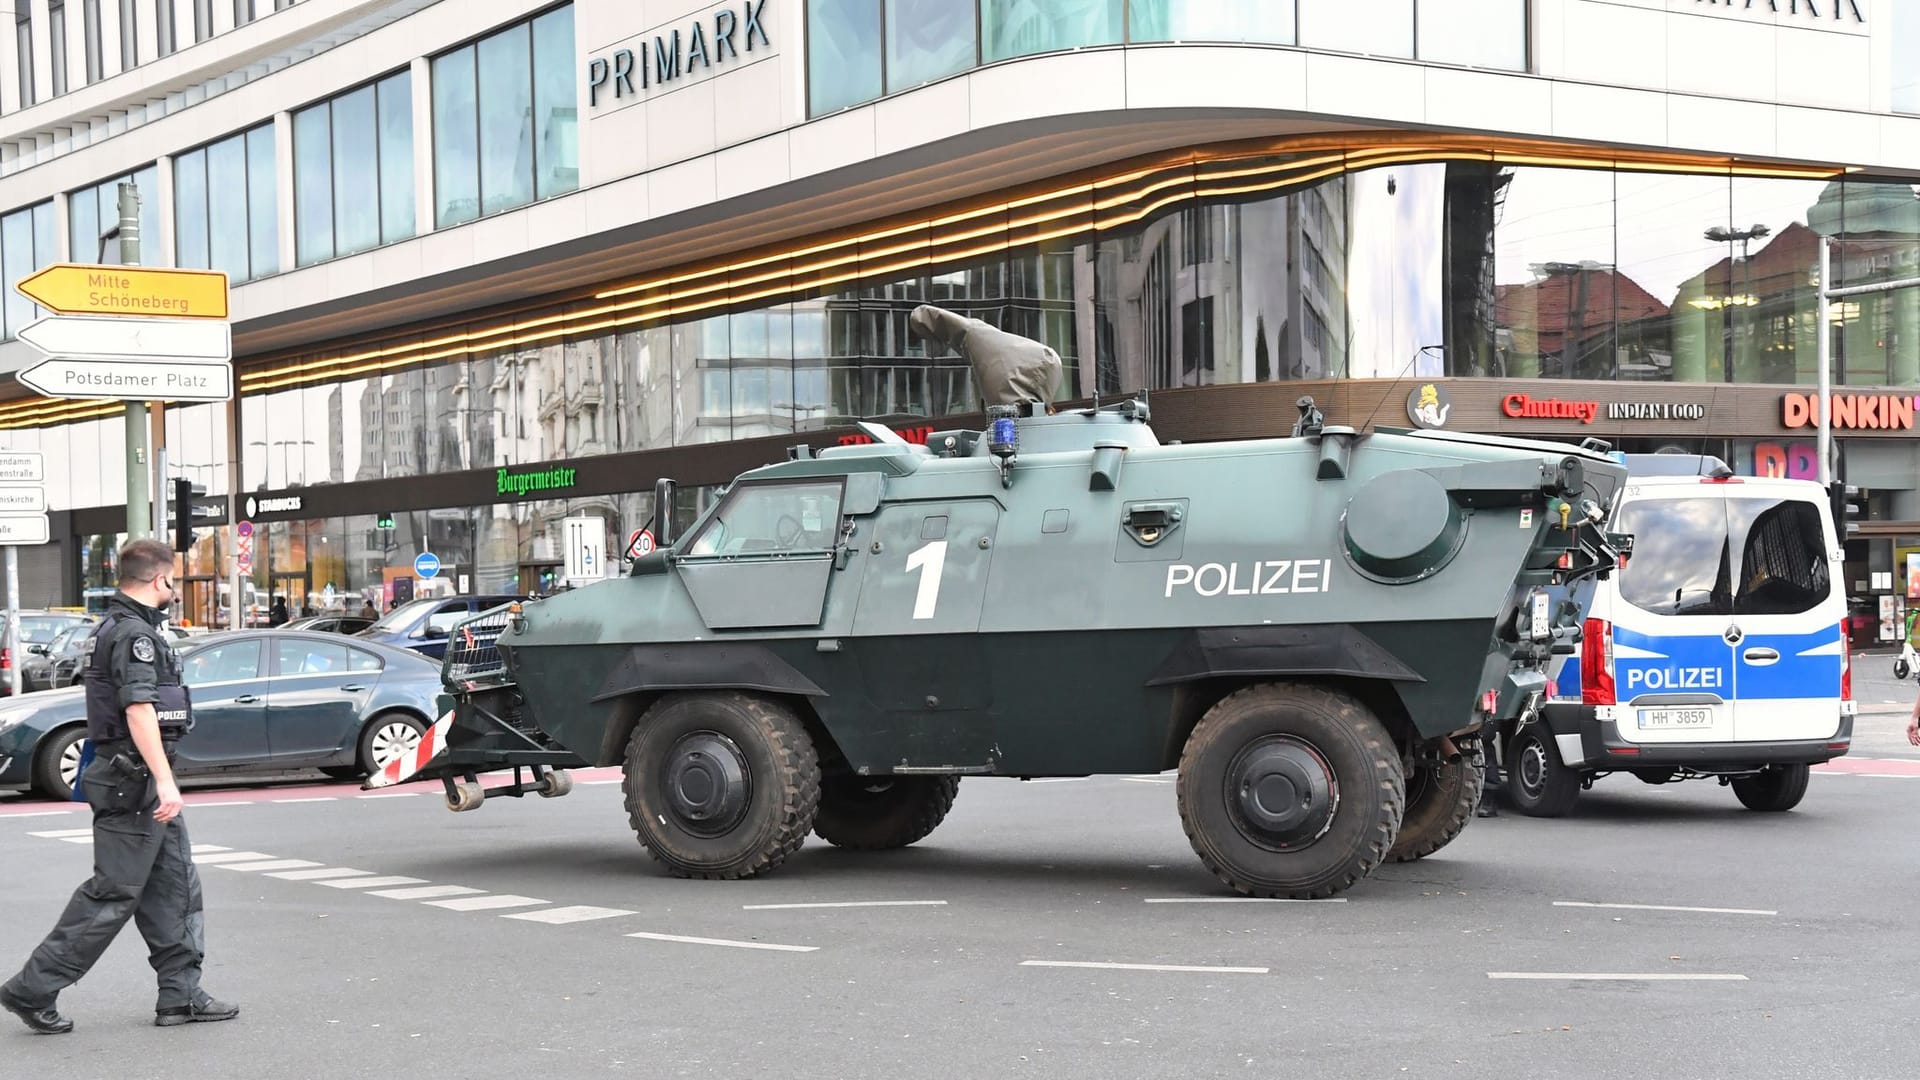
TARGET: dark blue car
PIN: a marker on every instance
(263, 701)
(423, 625)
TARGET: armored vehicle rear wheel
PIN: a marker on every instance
(1290, 790)
(721, 785)
(871, 813)
(1440, 802)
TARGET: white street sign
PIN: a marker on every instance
(23, 529)
(203, 340)
(585, 540)
(23, 500)
(130, 380)
(22, 467)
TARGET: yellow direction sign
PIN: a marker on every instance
(72, 289)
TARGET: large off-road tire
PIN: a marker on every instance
(1539, 784)
(1290, 790)
(56, 761)
(872, 813)
(1440, 801)
(721, 785)
(1776, 789)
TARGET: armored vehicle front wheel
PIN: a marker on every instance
(870, 813)
(1440, 802)
(1290, 790)
(721, 785)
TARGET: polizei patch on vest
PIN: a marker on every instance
(1263, 577)
(143, 649)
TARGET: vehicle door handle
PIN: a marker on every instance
(246, 699)
(353, 687)
(1760, 656)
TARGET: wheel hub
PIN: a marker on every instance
(1533, 769)
(707, 783)
(1282, 793)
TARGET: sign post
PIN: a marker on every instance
(23, 520)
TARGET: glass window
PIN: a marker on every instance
(772, 518)
(23, 52)
(395, 95)
(1555, 286)
(1906, 57)
(94, 210)
(556, 120)
(1478, 33)
(163, 27)
(1661, 227)
(222, 194)
(228, 249)
(26, 245)
(506, 105)
(1680, 563)
(1023, 27)
(356, 172)
(358, 660)
(931, 39)
(242, 12)
(297, 657)
(843, 53)
(57, 43)
(1783, 557)
(129, 35)
(456, 152)
(1270, 21)
(233, 661)
(90, 28)
(263, 211)
(1373, 27)
(190, 210)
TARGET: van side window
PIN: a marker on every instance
(1783, 558)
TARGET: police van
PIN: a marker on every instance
(1719, 650)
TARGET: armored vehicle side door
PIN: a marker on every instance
(764, 558)
(916, 630)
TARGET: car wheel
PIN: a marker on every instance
(386, 737)
(1539, 784)
(1774, 790)
(56, 764)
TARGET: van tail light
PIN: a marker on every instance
(1846, 666)
(1596, 662)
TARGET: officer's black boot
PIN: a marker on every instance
(204, 1009)
(1490, 792)
(44, 1020)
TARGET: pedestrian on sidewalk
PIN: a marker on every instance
(137, 710)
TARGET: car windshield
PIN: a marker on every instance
(404, 615)
(42, 628)
(63, 640)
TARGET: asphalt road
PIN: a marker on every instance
(1790, 953)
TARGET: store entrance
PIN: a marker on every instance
(291, 586)
(200, 601)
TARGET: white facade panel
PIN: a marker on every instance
(1608, 114)
(1733, 127)
(681, 187)
(1458, 99)
(1198, 76)
(921, 116)
(1393, 91)
(1053, 85)
(752, 166)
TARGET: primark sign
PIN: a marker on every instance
(674, 55)
(1814, 12)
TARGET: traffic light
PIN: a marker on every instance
(384, 521)
(185, 492)
(1849, 508)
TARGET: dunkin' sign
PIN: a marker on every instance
(1858, 412)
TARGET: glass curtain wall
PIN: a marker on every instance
(859, 50)
(224, 206)
(26, 245)
(505, 120)
(353, 171)
(92, 211)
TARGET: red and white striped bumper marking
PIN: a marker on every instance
(414, 760)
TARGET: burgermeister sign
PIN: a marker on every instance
(674, 55)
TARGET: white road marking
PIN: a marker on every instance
(1886, 776)
(562, 915)
(1666, 907)
(391, 795)
(316, 798)
(230, 802)
(231, 856)
(486, 903)
(76, 839)
(590, 783)
(1598, 976)
(208, 849)
(724, 943)
(1055, 780)
(373, 882)
(62, 834)
(1144, 967)
(1149, 779)
(845, 904)
(42, 813)
(425, 892)
(270, 864)
(321, 874)
(1240, 900)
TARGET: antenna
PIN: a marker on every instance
(1411, 360)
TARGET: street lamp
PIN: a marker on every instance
(285, 469)
(1745, 298)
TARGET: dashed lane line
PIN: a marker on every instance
(214, 858)
(426, 892)
(486, 903)
(1204, 968)
(322, 874)
(42, 813)
(844, 904)
(721, 942)
(314, 798)
(1616, 976)
(269, 864)
(561, 916)
(392, 795)
(372, 882)
(1665, 907)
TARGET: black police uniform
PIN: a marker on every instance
(142, 868)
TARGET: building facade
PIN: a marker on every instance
(497, 263)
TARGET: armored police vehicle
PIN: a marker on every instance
(1719, 651)
(1311, 629)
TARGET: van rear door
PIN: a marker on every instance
(1670, 608)
(1788, 607)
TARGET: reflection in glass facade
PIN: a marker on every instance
(26, 245)
(353, 171)
(505, 119)
(858, 50)
(1905, 68)
(224, 215)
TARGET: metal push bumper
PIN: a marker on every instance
(475, 735)
(1587, 740)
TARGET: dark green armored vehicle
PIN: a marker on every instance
(1313, 630)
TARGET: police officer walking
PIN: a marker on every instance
(137, 710)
